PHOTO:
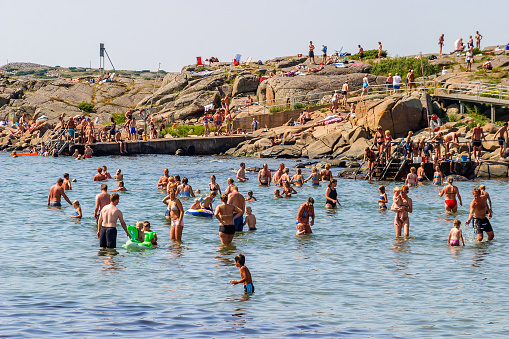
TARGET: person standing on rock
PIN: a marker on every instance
(71, 128)
(441, 43)
(218, 123)
(502, 139)
(335, 102)
(311, 53)
(478, 208)
(254, 125)
(264, 176)
(396, 83)
(477, 136)
(411, 80)
(361, 53)
(379, 50)
(478, 38)
(365, 86)
(344, 92)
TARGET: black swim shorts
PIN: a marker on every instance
(108, 237)
(227, 229)
(477, 143)
(501, 141)
(311, 54)
(482, 225)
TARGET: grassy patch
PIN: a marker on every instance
(185, 130)
(119, 118)
(369, 54)
(453, 117)
(86, 106)
(402, 65)
(475, 113)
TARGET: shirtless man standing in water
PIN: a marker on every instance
(67, 183)
(241, 173)
(107, 225)
(101, 200)
(163, 181)
(238, 200)
(55, 193)
(478, 208)
(264, 176)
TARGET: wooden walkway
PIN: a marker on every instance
(470, 98)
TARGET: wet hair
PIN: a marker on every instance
(118, 171)
(230, 180)
(234, 187)
(276, 191)
(105, 168)
(177, 177)
(114, 197)
(327, 166)
(287, 170)
(332, 181)
(249, 209)
(299, 171)
(60, 181)
(146, 224)
(240, 258)
(404, 188)
(121, 183)
(224, 197)
(382, 189)
(75, 203)
(99, 169)
(314, 169)
(250, 193)
(310, 200)
(104, 187)
(66, 175)
(482, 187)
(397, 189)
(412, 169)
(185, 180)
(450, 180)
(242, 164)
(456, 223)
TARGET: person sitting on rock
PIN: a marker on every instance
(304, 117)
(488, 65)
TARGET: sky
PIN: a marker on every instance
(138, 35)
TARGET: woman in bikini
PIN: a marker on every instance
(379, 139)
(438, 177)
(225, 213)
(175, 212)
(315, 177)
(306, 211)
(213, 185)
(331, 195)
(298, 179)
(439, 140)
(450, 192)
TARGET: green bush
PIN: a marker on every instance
(453, 117)
(185, 130)
(86, 107)
(402, 65)
(369, 54)
(119, 118)
(21, 73)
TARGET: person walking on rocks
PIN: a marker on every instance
(441, 43)
(477, 135)
(365, 86)
(502, 139)
(344, 92)
(311, 53)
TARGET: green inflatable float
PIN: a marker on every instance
(134, 243)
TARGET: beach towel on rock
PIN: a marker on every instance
(339, 65)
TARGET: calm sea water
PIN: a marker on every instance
(351, 278)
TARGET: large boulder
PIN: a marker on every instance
(175, 83)
(281, 151)
(500, 61)
(357, 148)
(323, 146)
(486, 170)
(245, 82)
(4, 99)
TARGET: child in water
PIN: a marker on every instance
(382, 200)
(288, 190)
(396, 204)
(277, 194)
(250, 196)
(139, 227)
(250, 219)
(121, 187)
(196, 205)
(455, 234)
(240, 260)
(119, 176)
(77, 208)
(146, 228)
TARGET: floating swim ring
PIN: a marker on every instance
(200, 212)
(134, 243)
(23, 154)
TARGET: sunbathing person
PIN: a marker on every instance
(314, 70)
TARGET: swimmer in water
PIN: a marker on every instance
(196, 205)
(285, 177)
(207, 201)
(250, 196)
(450, 192)
(213, 185)
(163, 181)
(421, 174)
(146, 228)
(438, 177)
(241, 173)
(288, 190)
(277, 194)
(298, 179)
(326, 174)
(119, 176)
(331, 195)
(264, 176)
(382, 200)
(315, 177)
(105, 173)
(244, 274)
(185, 190)
(67, 183)
(77, 208)
(411, 178)
(139, 227)
(306, 211)
(226, 213)
(174, 212)
(250, 219)
(121, 187)
(455, 235)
